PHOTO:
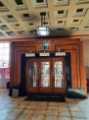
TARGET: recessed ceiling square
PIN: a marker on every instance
(1, 4)
(82, 1)
(61, 13)
(61, 2)
(9, 18)
(80, 12)
(3, 27)
(39, 3)
(19, 2)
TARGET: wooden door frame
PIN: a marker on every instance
(29, 88)
(49, 89)
(63, 89)
(45, 89)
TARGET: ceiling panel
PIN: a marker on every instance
(61, 2)
(82, 1)
(39, 3)
(22, 17)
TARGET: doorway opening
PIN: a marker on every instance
(4, 64)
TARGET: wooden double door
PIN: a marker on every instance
(46, 75)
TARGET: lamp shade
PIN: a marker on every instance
(43, 31)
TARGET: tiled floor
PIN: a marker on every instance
(20, 109)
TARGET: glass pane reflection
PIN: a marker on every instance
(45, 74)
(33, 74)
(58, 71)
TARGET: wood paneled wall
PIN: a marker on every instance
(86, 52)
(74, 46)
(86, 56)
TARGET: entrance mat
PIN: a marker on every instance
(45, 97)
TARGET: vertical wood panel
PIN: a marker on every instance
(86, 56)
(74, 70)
(86, 52)
(82, 69)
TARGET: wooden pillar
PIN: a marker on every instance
(83, 83)
(75, 69)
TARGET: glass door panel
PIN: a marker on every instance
(58, 74)
(45, 74)
(33, 74)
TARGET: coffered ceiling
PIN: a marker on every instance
(22, 17)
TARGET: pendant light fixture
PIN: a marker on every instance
(43, 29)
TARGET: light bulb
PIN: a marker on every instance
(43, 31)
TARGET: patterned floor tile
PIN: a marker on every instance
(78, 115)
(50, 117)
(21, 109)
(64, 118)
(64, 114)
